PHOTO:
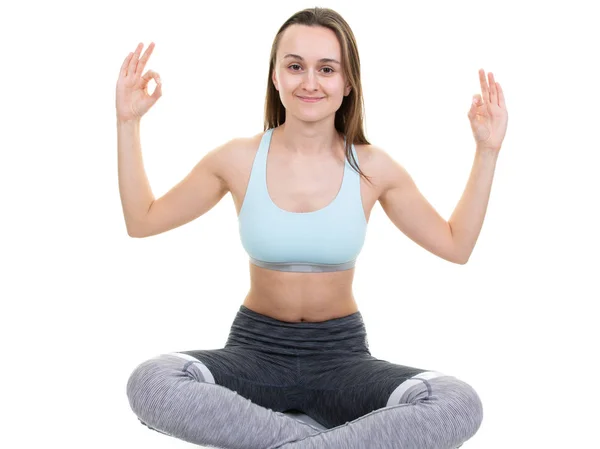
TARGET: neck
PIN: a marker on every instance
(309, 139)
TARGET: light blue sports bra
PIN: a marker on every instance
(328, 239)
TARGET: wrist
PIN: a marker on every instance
(128, 122)
(487, 151)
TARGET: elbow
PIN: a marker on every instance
(462, 260)
(459, 258)
(136, 228)
(457, 255)
(134, 233)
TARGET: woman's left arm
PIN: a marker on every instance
(453, 240)
(489, 120)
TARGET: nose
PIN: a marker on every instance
(310, 81)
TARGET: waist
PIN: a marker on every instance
(306, 312)
(301, 297)
(252, 329)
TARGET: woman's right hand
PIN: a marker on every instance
(133, 100)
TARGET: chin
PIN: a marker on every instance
(311, 118)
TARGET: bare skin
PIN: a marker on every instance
(298, 182)
(304, 173)
(287, 296)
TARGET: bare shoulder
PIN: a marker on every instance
(366, 154)
(379, 165)
(236, 156)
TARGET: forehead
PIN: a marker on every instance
(310, 42)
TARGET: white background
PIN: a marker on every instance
(83, 303)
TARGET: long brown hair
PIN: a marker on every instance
(349, 117)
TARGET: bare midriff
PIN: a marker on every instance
(298, 297)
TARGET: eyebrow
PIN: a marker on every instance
(291, 55)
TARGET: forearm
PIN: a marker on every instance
(136, 194)
(467, 219)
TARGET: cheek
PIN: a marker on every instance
(333, 86)
(289, 82)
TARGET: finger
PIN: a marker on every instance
(148, 76)
(142, 62)
(134, 60)
(493, 91)
(475, 104)
(501, 101)
(123, 70)
(157, 90)
(145, 79)
(484, 87)
(471, 112)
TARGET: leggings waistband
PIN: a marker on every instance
(253, 329)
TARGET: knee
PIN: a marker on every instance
(463, 402)
(150, 379)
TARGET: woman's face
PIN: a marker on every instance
(308, 64)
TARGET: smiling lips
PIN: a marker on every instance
(310, 99)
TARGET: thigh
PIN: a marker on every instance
(266, 379)
(345, 388)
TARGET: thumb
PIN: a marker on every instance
(475, 103)
(157, 90)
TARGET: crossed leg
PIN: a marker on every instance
(429, 411)
(176, 394)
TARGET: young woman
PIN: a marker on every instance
(296, 370)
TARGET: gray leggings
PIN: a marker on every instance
(302, 385)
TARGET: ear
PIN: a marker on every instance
(347, 91)
(274, 78)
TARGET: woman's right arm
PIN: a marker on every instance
(197, 193)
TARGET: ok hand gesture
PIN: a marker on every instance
(488, 115)
(133, 100)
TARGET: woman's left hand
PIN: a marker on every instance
(488, 115)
